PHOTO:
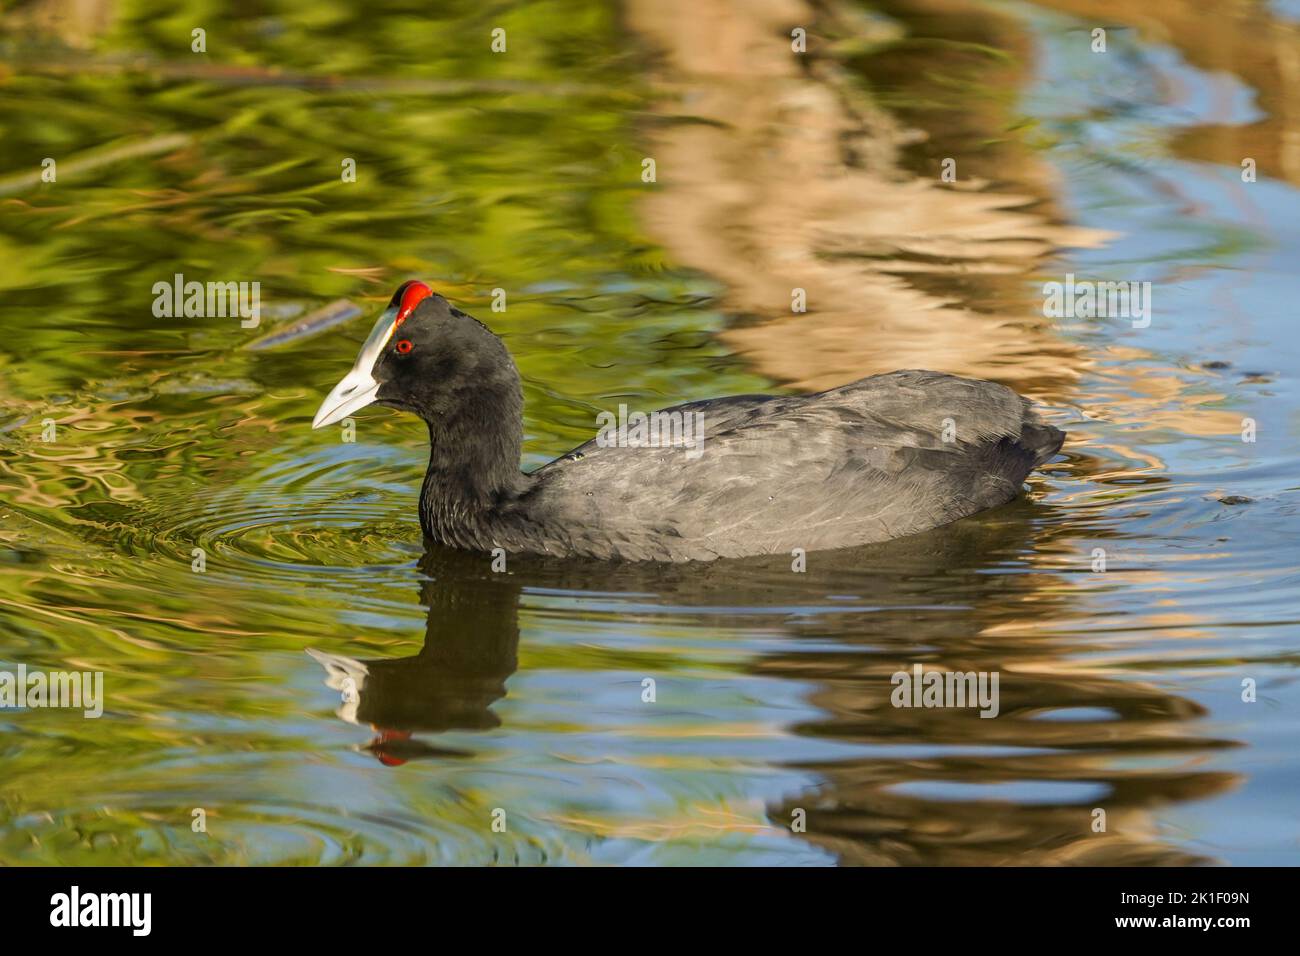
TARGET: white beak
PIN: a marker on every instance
(358, 388)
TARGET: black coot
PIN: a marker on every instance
(887, 456)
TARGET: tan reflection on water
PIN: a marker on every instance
(76, 22)
(793, 181)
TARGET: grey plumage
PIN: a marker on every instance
(858, 464)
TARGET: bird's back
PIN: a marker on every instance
(880, 458)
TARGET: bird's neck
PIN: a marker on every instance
(473, 477)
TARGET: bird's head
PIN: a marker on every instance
(421, 356)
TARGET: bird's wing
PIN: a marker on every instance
(877, 459)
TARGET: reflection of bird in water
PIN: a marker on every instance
(470, 643)
(865, 613)
(944, 786)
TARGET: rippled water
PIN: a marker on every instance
(328, 691)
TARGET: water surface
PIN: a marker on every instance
(330, 691)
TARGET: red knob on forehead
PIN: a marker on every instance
(407, 297)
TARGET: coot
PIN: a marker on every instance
(886, 456)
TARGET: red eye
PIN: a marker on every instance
(404, 346)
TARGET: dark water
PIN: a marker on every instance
(328, 691)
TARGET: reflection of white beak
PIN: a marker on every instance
(358, 388)
(346, 675)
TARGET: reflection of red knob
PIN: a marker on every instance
(386, 737)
